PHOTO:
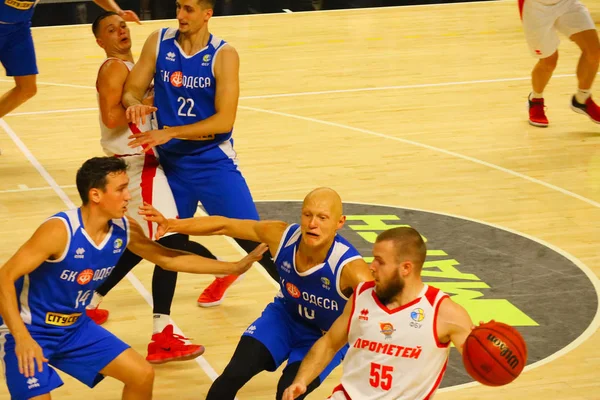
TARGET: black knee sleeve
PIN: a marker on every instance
(288, 376)
(198, 249)
(250, 358)
(163, 281)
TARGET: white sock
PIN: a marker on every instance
(582, 95)
(96, 300)
(159, 322)
(535, 95)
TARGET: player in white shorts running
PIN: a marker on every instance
(542, 20)
(147, 184)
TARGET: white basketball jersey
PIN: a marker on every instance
(548, 2)
(394, 354)
(114, 141)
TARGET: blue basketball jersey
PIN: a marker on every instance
(184, 91)
(54, 296)
(314, 295)
(14, 11)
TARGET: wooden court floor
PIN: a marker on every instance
(416, 107)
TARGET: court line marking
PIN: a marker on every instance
(428, 147)
(413, 143)
(313, 93)
(54, 84)
(582, 338)
(586, 334)
(397, 87)
(486, 2)
(298, 94)
(201, 361)
(590, 274)
(432, 148)
(34, 189)
(52, 111)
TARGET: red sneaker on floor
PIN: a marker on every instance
(537, 113)
(590, 109)
(167, 346)
(215, 292)
(97, 315)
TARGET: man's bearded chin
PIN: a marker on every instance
(393, 288)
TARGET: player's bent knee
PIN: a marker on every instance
(141, 380)
(549, 63)
(142, 374)
(590, 49)
(131, 369)
(236, 373)
(29, 91)
(589, 43)
(593, 54)
(26, 93)
(26, 86)
(145, 378)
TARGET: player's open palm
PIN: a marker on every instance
(255, 255)
(293, 391)
(130, 16)
(29, 355)
(139, 113)
(152, 214)
(149, 139)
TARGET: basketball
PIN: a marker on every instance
(494, 354)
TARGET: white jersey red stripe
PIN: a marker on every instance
(393, 354)
(147, 180)
(114, 141)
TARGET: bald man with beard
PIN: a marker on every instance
(319, 271)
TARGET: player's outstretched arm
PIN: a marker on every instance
(269, 232)
(139, 81)
(321, 354)
(353, 273)
(181, 261)
(48, 242)
(453, 323)
(110, 5)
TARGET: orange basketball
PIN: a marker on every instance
(494, 354)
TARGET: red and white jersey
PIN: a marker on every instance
(394, 354)
(114, 141)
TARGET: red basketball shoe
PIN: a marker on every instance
(167, 346)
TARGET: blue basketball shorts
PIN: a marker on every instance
(287, 338)
(211, 178)
(81, 352)
(17, 53)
